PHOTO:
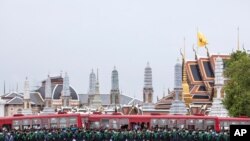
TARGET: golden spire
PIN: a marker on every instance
(184, 73)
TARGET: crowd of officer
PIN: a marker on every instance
(79, 134)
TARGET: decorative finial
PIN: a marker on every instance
(207, 52)
(148, 64)
(114, 67)
(195, 53)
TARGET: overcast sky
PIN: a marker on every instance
(38, 37)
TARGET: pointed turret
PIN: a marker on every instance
(115, 93)
(217, 108)
(97, 102)
(48, 97)
(148, 88)
(66, 97)
(26, 98)
(178, 106)
(185, 96)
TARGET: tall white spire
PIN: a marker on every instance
(26, 94)
(92, 82)
(217, 108)
(148, 88)
(26, 98)
(178, 106)
(115, 93)
(115, 80)
(97, 91)
(66, 90)
(148, 77)
(97, 102)
(48, 88)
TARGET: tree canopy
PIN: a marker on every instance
(237, 88)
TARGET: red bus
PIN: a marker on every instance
(41, 121)
(225, 122)
(151, 121)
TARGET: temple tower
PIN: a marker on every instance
(185, 96)
(148, 88)
(217, 108)
(66, 97)
(114, 93)
(26, 98)
(92, 87)
(48, 97)
(97, 102)
(178, 106)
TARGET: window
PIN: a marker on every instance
(72, 122)
(114, 123)
(63, 122)
(53, 122)
(105, 123)
(95, 125)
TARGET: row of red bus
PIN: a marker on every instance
(101, 121)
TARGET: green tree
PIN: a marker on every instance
(237, 88)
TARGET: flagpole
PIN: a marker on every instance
(197, 30)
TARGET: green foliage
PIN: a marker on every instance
(237, 100)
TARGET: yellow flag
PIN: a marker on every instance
(202, 41)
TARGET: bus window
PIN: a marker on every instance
(224, 125)
(172, 123)
(72, 122)
(16, 124)
(163, 123)
(181, 123)
(63, 122)
(154, 123)
(53, 123)
(26, 124)
(36, 123)
(95, 125)
(45, 123)
(124, 123)
(114, 123)
(199, 124)
(234, 123)
(105, 123)
(209, 124)
(190, 124)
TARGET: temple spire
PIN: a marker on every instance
(178, 106)
(66, 90)
(148, 88)
(48, 88)
(115, 93)
(195, 53)
(97, 83)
